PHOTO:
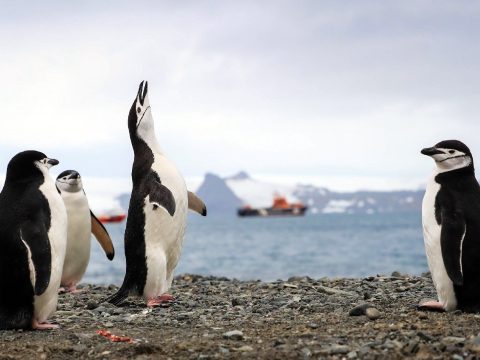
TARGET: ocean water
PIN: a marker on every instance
(333, 245)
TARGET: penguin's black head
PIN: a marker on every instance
(27, 165)
(140, 117)
(450, 155)
(69, 180)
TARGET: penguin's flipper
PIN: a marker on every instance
(35, 236)
(101, 234)
(451, 241)
(196, 204)
(160, 195)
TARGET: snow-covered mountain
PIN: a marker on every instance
(225, 195)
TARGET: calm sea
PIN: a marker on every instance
(277, 248)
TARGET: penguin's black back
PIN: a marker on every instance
(460, 193)
(22, 204)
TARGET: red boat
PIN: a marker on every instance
(280, 207)
(112, 218)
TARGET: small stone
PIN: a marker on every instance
(372, 313)
(457, 357)
(80, 348)
(411, 347)
(237, 302)
(338, 349)
(360, 310)
(244, 348)
(91, 305)
(452, 340)
(352, 355)
(108, 324)
(233, 335)
(425, 336)
(224, 350)
(306, 352)
(278, 342)
(313, 326)
(422, 315)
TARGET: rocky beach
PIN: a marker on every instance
(218, 318)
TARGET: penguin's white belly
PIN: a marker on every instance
(433, 249)
(163, 232)
(46, 303)
(78, 239)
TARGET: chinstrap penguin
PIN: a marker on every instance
(33, 238)
(451, 228)
(157, 212)
(81, 223)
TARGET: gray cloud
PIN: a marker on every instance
(314, 88)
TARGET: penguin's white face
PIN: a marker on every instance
(45, 164)
(448, 158)
(69, 181)
(144, 116)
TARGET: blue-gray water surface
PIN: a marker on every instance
(333, 245)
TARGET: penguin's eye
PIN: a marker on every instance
(65, 178)
(452, 151)
(138, 110)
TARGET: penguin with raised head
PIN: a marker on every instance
(81, 223)
(157, 212)
(33, 239)
(451, 228)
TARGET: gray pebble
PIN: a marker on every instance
(360, 310)
(233, 335)
(338, 349)
(372, 313)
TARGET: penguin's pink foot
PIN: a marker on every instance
(431, 306)
(71, 288)
(159, 300)
(44, 325)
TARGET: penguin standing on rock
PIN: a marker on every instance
(157, 212)
(81, 223)
(451, 228)
(33, 239)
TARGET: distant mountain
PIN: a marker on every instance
(218, 197)
(225, 195)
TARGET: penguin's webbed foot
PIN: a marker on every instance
(43, 325)
(431, 305)
(72, 289)
(159, 300)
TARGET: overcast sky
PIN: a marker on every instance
(341, 93)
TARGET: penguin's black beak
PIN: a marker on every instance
(142, 91)
(75, 175)
(431, 151)
(53, 162)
